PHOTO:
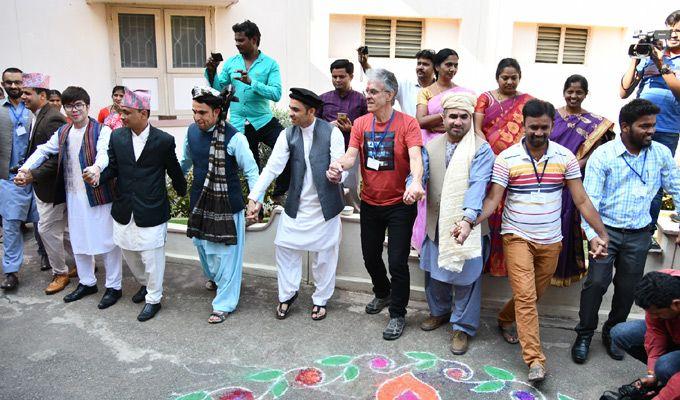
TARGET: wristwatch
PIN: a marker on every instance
(469, 221)
(665, 69)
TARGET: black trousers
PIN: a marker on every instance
(268, 135)
(628, 254)
(398, 220)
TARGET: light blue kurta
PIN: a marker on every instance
(222, 263)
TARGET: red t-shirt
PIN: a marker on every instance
(385, 186)
(103, 113)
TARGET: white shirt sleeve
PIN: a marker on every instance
(275, 165)
(102, 158)
(42, 152)
(338, 148)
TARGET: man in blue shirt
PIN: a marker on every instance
(622, 177)
(658, 80)
(257, 80)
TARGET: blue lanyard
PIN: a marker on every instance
(644, 161)
(387, 129)
(17, 119)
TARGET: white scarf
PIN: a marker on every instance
(452, 255)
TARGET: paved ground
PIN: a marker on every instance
(52, 350)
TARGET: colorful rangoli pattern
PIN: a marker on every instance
(423, 376)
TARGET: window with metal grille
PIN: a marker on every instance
(561, 45)
(188, 41)
(393, 38)
(137, 35)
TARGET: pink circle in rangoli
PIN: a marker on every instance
(379, 363)
(455, 373)
(237, 394)
(309, 377)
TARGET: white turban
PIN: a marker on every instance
(460, 100)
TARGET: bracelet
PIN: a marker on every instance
(469, 221)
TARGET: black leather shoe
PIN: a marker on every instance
(10, 282)
(579, 351)
(148, 312)
(110, 298)
(613, 351)
(80, 292)
(45, 263)
(140, 295)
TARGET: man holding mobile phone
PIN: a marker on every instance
(341, 107)
(257, 81)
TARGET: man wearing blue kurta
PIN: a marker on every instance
(16, 203)
(257, 81)
(454, 197)
(222, 263)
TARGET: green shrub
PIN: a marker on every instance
(667, 202)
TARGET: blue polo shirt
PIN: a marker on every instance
(253, 104)
(654, 88)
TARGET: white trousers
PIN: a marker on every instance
(113, 263)
(51, 227)
(289, 272)
(148, 267)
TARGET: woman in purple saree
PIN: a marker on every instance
(581, 132)
(430, 117)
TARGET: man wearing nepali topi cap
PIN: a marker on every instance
(139, 157)
(50, 229)
(80, 148)
(311, 221)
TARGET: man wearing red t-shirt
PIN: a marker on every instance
(388, 144)
(655, 340)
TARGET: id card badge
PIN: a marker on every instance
(538, 198)
(372, 163)
(21, 130)
(641, 191)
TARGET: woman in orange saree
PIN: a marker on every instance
(498, 118)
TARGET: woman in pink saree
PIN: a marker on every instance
(498, 118)
(430, 117)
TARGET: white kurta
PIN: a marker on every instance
(131, 236)
(90, 228)
(308, 231)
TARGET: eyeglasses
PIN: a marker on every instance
(373, 92)
(76, 106)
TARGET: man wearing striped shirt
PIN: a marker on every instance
(622, 178)
(534, 173)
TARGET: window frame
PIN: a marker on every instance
(167, 28)
(563, 36)
(393, 33)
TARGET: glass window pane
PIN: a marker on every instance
(188, 41)
(137, 40)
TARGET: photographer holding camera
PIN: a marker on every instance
(658, 78)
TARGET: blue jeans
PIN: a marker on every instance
(630, 337)
(669, 140)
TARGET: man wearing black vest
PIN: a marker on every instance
(139, 157)
(311, 221)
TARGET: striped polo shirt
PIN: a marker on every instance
(533, 211)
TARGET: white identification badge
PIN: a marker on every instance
(641, 191)
(538, 198)
(372, 163)
(21, 130)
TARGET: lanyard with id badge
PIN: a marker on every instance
(372, 162)
(19, 127)
(640, 191)
(537, 197)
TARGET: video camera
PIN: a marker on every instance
(647, 41)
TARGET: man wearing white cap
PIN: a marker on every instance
(311, 221)
(217, 152)
(139, 157)
(455, 195)
(52, 222)
(81, 150)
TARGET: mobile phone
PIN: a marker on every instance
(217, 57)
(363, 50)
(342, 116)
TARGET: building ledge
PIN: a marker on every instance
(213, 3)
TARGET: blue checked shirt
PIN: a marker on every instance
(621, 196)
